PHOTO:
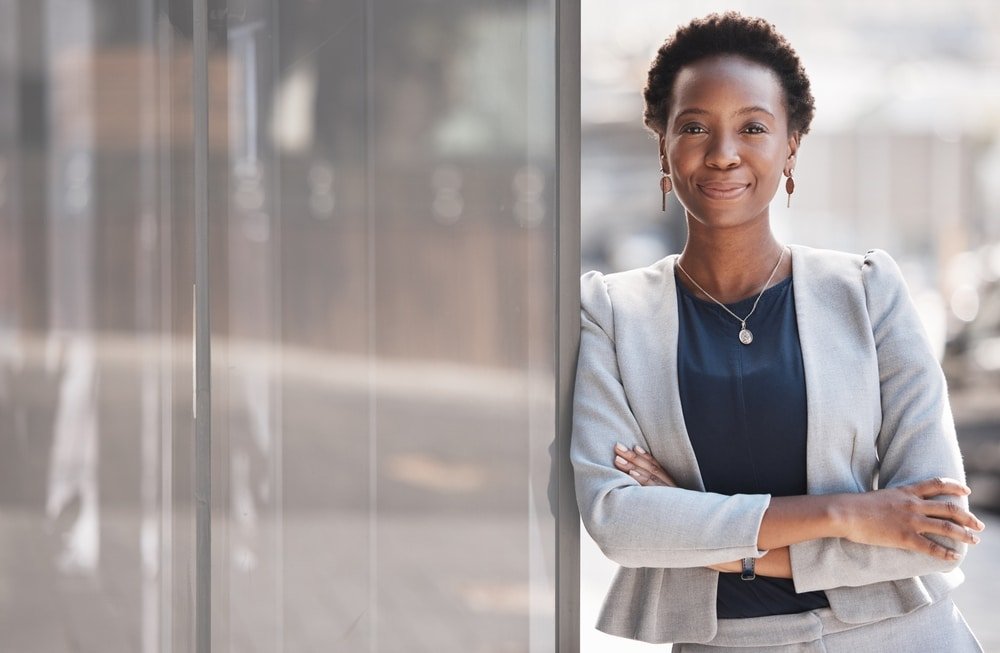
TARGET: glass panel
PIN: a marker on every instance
(381, 188)
(95, 328)
(383, 314)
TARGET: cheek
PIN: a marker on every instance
(769, 160)
(686, 156)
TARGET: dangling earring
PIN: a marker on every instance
(790, 188)
(666, 186)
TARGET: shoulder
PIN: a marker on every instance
(834, 261)
(869, 286)
(826, 263)
(602, 295)
(881, 273)
(875, 269)
(886, 292)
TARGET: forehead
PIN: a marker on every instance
(727, 81)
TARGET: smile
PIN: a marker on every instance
(723, 191)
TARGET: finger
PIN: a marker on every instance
(638, 458)
(624, 452)
(623, 464)
(650, 465)
(945, 528)
(646, 463)
(641, 475)
(924, 545)
(628, 459)
(642, 454)
(629, 468)
(952, 511)
(644, 478)
(933, 487)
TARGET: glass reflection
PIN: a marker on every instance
(381, 199)
(93, 352)
(70, 349)
(388, 338)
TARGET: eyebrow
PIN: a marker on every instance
(740, 112)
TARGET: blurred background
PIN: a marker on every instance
(903, 155)
(381, 210)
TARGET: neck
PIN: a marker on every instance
(731, 265)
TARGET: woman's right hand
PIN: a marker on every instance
(904, 516)
(641, 466)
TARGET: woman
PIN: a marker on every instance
(762, 437)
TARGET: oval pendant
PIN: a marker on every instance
(745, 336)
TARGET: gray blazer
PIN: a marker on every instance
(878, 416)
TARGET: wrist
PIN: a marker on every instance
(733, 567)
(839, 514)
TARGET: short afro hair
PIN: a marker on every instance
(730, 33)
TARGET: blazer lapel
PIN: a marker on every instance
(834, 368)
(650, 376)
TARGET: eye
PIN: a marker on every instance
(755, 128)
(693, 128)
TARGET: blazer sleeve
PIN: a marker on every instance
(916, 440)
(633, 525)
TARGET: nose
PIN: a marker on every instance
(723, 152)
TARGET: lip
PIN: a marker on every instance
(723, 190)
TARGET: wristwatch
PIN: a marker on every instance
(749, 569)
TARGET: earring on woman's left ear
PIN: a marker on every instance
(790, 188)
(666, 186)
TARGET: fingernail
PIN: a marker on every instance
(980, 524)
(640, 449)
(634, 473)
(953, 555)
(620, 461)
(975, 540)
(620, 447)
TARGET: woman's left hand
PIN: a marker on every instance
(641, 466)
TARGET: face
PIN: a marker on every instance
(727, 141)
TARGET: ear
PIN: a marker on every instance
(664, 166)
(793, 147)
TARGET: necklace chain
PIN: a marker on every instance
(746, 337)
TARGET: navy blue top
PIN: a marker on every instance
(745, 413)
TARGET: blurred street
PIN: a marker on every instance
(443, 545)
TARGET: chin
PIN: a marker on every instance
(727, 217)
